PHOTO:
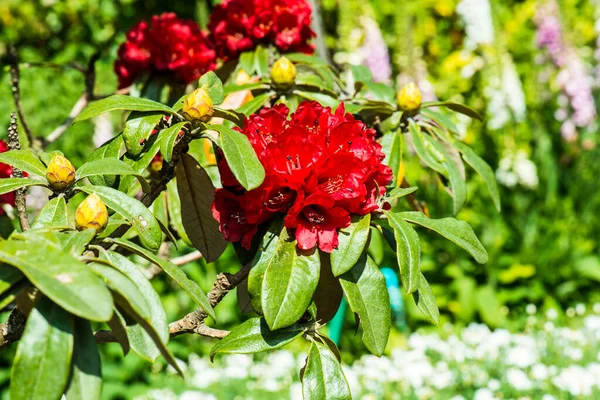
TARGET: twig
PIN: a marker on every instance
(16, 93)
(11, 330)
(193, 322)
(188, 258)
(20, 200)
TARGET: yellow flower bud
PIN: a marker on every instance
(409, 97)
(198, 106)
(155, 165)
(283, 73)
(60, 173)
(91, 213)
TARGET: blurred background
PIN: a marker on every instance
(526, 324)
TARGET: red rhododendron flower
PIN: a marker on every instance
(5, 172)
(321, 168)
(168, 43)
(239, 25)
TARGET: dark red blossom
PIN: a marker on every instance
(167, 44)
(5, 172)
(239, 25)
(321, 168)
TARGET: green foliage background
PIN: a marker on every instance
(543, 246)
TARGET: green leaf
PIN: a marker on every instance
(323, 377)
(86, 375)
(117, 325)
(290, 280)
(121, 102)
(213, 85)
(124, 286)
(306, 59)
(246, 62)
(11, 294)
(174, 212)
(261, 61)
(483, 169)
(196, 193)
(264, 256)
(352, 241)
(400, 192)
(42, 364)
(240, 157)
(109, 166)
(53, 214)
(140, 341)
(61, 277)
(140, 164)
(167, 140)
(394, 160)
(408, 251)
(229, 115)
(24, 160)
(361, 75)
(328, 293)
(174, 272)
(253, 336)
(110, 149)
(138, 129)
(12, 184)
(322, 99)
(365, 289)
(256, 103)
(489, 306)
(425, 301)
(456, 231)
(9, 277)
(232, 87)
(423, 152)
(76, 242)
(133, 211)
(460, 108)
(457, 181)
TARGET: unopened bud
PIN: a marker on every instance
(409, 97)
(283, 73)
(60, 173)
(91, 213)
(155, 165)
(198, 106)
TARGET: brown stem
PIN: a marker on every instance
(20, 200)
(11, 330)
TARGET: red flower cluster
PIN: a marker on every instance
(239, 25)
(5, 172)
(320, 169)
(167, 44)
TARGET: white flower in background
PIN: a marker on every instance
(531, 309)
(504, 92)
(580, 309)
(477, 16)
(576, 380)
(540, 372)
(552, 314)
(194, 395)
(494, 385)
(518, 379)
(516, 169)
(483, 394)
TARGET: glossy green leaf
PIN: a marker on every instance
(109, 166)
(174, 272)
(400, 192)
(60, 276)
(42, 364)
(138, 129)
(233, 116)
(264, 256)
(408, 251)
(12, 184)
(261, 61)
(254, 335)
(117, 326)
(328, 293)
(483, 169)
(289, 282)
(240, 157)
(306, 59)
(110, 149)
(323, 377)
(455, 169)
(423, 152)
(53, 214)
(174, 212)
(196, 193)
(352, 241)
(167, 140)
(9, 276)
(76, 242)
(86, 374)
(454, 230)
(24, 160)
(425, 301)
(460, 108)
(121, 102)
(365, 289)
(255, 104)
(394, 160)
(140, 164)
(10, 295)
(133, 211)
(323, 99)
(211, 83)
